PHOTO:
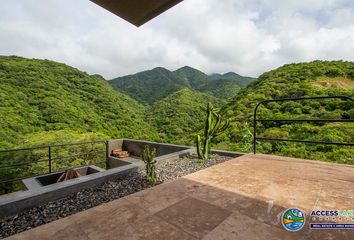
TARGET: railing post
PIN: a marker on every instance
(254, 136)
(107, 154)
(49, 159)
(255, 128)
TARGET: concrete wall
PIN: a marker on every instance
(136, 148)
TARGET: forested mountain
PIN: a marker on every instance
(149, 87)
(180, 115)
(318, 78)
(39, 96)
(240, 80)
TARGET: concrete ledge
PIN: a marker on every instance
(193, 150)
(136, 147)
(19, 201)
(35, 182)
(227, 153)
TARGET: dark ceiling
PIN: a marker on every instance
(137, 12)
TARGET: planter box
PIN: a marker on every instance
(52, 178)
(136, 149)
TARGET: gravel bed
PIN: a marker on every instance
(134, 182)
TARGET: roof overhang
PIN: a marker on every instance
(137, 12)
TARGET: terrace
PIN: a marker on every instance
(242, 198)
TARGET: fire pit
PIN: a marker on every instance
(68, 174)
(56, 177)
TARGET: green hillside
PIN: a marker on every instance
(222, 88)
(318, 78)
(151, 86)
(40, 96)
(179, 116)
(192, 78)
(240, 80)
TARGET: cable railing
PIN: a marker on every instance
(255, 121)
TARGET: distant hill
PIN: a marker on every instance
(150, 86)
(41, 96)
(192, 78)
(179, 116)
(240, 80)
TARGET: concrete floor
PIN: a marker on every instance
(239, 199)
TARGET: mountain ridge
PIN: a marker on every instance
(153, 85)
(241, 80)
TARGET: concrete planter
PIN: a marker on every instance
(136, 148)
(51, 178)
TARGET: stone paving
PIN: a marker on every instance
(240, 199)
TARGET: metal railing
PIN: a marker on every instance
(255, 121)
(51, 155)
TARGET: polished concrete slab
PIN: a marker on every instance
(239, 199)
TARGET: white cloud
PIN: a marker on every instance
(246, 36)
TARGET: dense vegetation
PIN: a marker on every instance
(178, 116)
(45, 102)
(42, 95)
(240, 80)
(318, 78)
(148, 87)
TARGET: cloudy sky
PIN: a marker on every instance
(245, 36)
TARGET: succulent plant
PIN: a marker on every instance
(150, 164)
(214, 126)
